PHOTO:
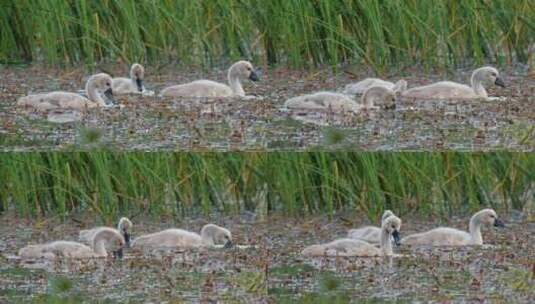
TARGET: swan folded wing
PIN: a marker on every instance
(122, 85)
(56, 100)
(169, 238)
(369, 234)
(442, 90)
(443, 236)
(199, 88)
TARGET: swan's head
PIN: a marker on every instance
(489, 217)
(217, 235)
(244, 70)
(137, 73)
(386, 214)
(488, 74)
(400, 86)
(101, 83)
(112, 239)
(392, 225)
(124, 226)
(379, 95)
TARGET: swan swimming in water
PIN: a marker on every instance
(134, 84)
(123, 227)
(98, 89)
(68, 249)
(349, 247)
(445, 236)
(210, 235)
(207, 88)
(340, 102)
(363, 85)
(370, 234)
(453, 90)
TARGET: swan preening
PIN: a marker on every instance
(178, 238)
(134, 84)
(363, 85)
(338, 102)
(207, 88)
(390, 228)
(67, 249)
(98, 89)
(453, 90)
(445, 236)
(123, 227)
(370, 234)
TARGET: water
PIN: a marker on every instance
(150, 123)
(271, 269)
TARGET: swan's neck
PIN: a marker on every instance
(207, 239)
(93, 94)
(99, 247)
(475, 231)
(477, 85)
(386, 243)
(235, 83)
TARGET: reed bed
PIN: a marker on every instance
(182, 184)
(294, 32)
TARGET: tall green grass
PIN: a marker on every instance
(294, 32)
(181, 184)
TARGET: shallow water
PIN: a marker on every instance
(152, 123)
(272, 270)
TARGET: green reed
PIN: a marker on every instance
(181, 184)
(294, 32)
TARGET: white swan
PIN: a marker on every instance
(350, 247)
(210, 235)
(361, 86)
(370, 234)
(207, 88)
(445, 236)
(98, 89)
(453, 90)
(340, 102)
(123, 227)
(68, 249)
(134, 84)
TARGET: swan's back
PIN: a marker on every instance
(57, 249)
(198, 88)
(361, 86)
(56, 100)
(441, 90)
(123, 85)
(322, 100)
(443, 236)
(169, 238)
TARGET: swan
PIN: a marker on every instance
(370, 234)
(210, 235)
(453, 90)
(361, 86)
(350, 247)
(134, 84)
(445, 236)
(70, 249)
(96, 86)
(123, 227)
(340, 102)
(207, 88)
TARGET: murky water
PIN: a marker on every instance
(153, 123)
(271, 269)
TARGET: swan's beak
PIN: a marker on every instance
(118, 254)
(126, 236)
(499, 223)
(499, 82)
(139, 83)
(109, 96)
(396, 237)
(228, 244)
(253, 76)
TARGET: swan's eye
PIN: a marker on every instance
(493, 74)
(492, 216)
(108, 84)
(393, 227)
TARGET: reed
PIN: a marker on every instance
(182, 184)
(290, 32)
